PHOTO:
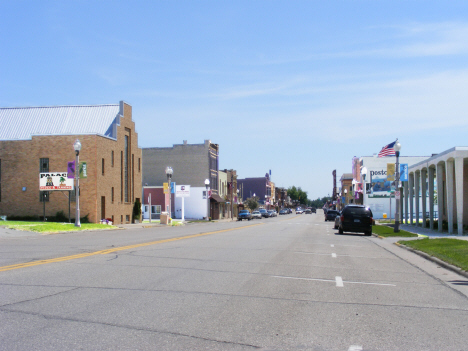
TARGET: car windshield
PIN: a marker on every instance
(243, 211)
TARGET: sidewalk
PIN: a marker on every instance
(430, 233)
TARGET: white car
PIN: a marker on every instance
(256, 215)
(299, 211)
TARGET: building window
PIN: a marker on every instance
(121, 178)
(43, 168)
(102, 166)
(44, 196)
(126, 169)
(139, 165)
(112, 219)
(72, 194)
(112, 158)
(121, 219)
(112, 197)
(127, 218)
(156, 209)
(44, 165)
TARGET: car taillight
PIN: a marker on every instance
(342, 218)
(371, 220)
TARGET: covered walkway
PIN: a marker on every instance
(440, 179)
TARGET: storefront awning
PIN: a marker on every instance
(217, 198)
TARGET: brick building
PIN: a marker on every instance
(259, 187)
(191, 163)
(40, 139)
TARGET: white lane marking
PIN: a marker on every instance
(339, 281)
(355, 348)
(382, 284)
(334, 255)
(320, 280)
(332, 245)
(312, 253)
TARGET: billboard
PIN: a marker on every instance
(379, 186)
(55, 181)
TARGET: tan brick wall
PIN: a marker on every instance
(20, 168)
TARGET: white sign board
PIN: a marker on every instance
(397, 195)
(55, 181)
(182, 191)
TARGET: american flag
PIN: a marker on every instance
(387, 150)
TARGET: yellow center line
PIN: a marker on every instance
(288, 219)
(115, 249)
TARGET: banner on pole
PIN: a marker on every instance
(391, 172)
(403, 172)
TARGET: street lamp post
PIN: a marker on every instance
(207, 185)
(363, 174)
(169, 172)
(397, 148)
(77, 147)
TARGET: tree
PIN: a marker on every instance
(136, 210)
(297, 194)
(252, 203)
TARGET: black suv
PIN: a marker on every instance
(330, 215)
(357, 219)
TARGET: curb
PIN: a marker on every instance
(435, 260)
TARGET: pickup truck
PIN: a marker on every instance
(244, 214)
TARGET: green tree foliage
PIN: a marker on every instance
(252, 203)
(319, 202)
(137, 209)
(297, 194)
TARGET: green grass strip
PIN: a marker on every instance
(52, 227)
(453, 251)
(386, 231)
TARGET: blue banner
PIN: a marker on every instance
(173, 187)
(403, 172)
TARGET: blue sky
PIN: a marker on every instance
(298, 87)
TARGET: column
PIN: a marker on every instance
(431, 198)
(440, 195)
(423, 196)
(459, 192)
(405, 184)
(449, 190)
(417, 182)
(411, 196)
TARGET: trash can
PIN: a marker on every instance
(164, 218)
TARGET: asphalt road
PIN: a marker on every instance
(286, 283)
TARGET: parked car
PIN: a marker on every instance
(284, 211)
(357, 219)
(308, 211)
(256, 215)
(313, 209)
(244, 214)
(299, 211)
(264, 213)
(272, 213)
(330, 215)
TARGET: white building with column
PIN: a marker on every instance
(445, 176)
(377, 190)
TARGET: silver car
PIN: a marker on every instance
(256, 215)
